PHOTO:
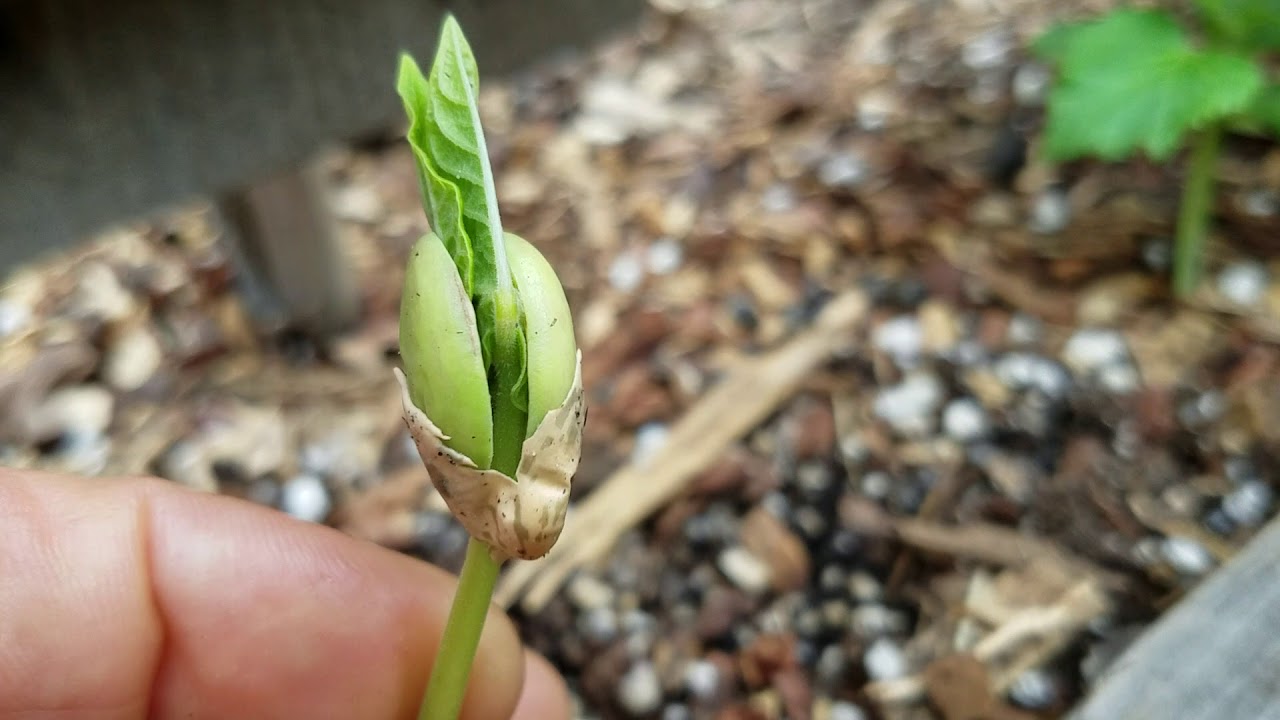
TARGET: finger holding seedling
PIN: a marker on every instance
(491, 387)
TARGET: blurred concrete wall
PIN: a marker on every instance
(110, 109)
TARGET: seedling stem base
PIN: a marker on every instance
(452, 667)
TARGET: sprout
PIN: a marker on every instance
(490, 362)
(492, 380)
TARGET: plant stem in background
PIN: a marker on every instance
(1195, 211)
(452, 666)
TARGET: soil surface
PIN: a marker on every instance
(977, 446)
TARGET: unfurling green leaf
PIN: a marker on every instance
(1133, 81)
(461, 204)
(440, 196)
(453, 166)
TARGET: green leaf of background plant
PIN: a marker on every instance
(1249, 25)
(1132, 81)
(1266, 109)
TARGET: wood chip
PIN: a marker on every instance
(782, 550)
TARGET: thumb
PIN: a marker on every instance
(138, 599)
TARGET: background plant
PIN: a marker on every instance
(1139, 81)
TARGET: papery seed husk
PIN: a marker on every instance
(519, 517)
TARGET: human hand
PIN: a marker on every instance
(135, 598)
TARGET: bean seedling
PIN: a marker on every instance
(491, 386)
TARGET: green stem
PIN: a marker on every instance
(510, 416)
(452, 666)
(1195, 211)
